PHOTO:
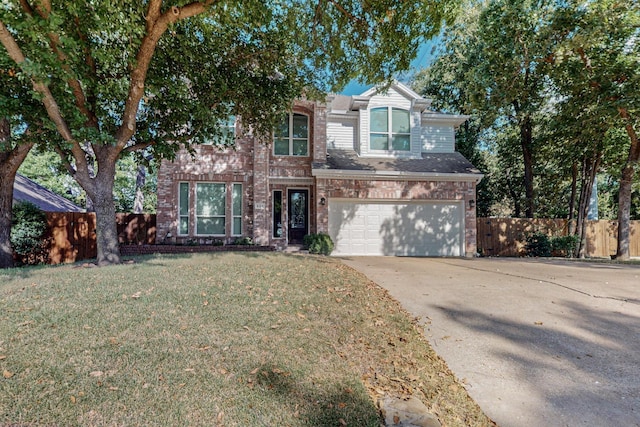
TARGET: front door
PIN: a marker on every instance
(298, 210)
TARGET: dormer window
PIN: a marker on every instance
(390, 129)
(291, 136)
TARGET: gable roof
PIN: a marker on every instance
(26, 190)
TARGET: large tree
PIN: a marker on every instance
(117, 77)
(595, 73)
(20, 128)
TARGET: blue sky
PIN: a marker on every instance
(422, 60)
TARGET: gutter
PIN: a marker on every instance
(387, 175)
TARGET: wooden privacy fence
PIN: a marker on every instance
(506, 236)
(73, 234)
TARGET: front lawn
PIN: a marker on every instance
(227, 339)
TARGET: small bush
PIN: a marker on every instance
(243, 241)
(319, 243)
(537, 244)
(564, 245)
(27, 234)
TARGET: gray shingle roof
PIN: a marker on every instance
(439, 163)
(25, 190)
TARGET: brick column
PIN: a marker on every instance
(261, 193)
(471, 226)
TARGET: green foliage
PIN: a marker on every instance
(121, 77)
(27, 233)
(537, 244)
(243, 241)
(562, 72)
(319, 243)
(564, 245)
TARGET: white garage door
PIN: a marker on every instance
(396, 228)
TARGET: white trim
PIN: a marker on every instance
(451, 119)
(402, 175)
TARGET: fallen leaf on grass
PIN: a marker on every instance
(3, 356)
(7, 374)
(136, 295)
(96, 373)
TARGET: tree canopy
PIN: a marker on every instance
(555, 87)
(118, 77)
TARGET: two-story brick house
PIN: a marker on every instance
(378, 172)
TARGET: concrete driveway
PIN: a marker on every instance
(536, 342)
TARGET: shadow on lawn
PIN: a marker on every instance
(605, 348)
(319, 404)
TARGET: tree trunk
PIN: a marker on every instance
(572, 226)
(100, 190)
(526, 141)
(138, 204)
(10, 161)
(626, 180)
(6, 200)
(590, 169)
(624, 213)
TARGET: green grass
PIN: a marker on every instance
(224, 339)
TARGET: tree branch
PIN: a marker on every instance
(44, 10)
(634, 152)
(138, 146)
(155, 29)
(49, 102)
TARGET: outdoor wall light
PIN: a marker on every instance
(472, 204)
(323, 201)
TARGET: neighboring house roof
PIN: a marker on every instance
(442, 165)
(26, 190)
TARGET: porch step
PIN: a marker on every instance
(295, 249)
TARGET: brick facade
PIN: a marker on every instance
(253, 164)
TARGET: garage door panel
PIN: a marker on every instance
(396, 228)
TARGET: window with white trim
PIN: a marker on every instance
(236, 209)
(390, 129)
(183, 209)
(291, 136)
(211, 204)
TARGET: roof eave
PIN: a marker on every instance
(403, 175)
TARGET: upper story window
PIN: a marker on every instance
(390, 129)
(291, 136)
(227, 129)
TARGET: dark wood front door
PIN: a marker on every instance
(298, 210)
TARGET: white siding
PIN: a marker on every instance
(341, 132)
(437, 138)
(390, 99)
